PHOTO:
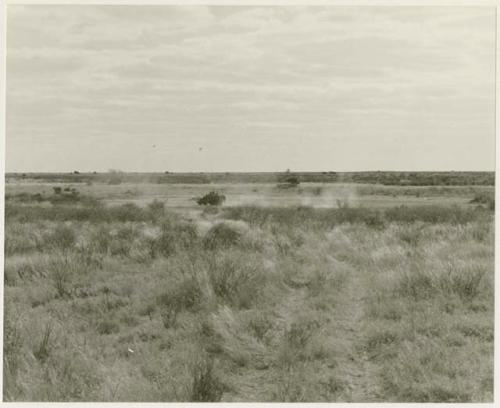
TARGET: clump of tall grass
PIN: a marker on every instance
(156, 209)
(77, 377)
(206, 386)
(235, 340)
(421, 283)
(21, 238)
(43, 348)
(185, 294)
(18, 270)
(486, 198)
(175, 236)
(12, 347)
(62, 271)
(465, 281)
(123, 240)
(210, 210)
(291, 385)
(411, 236)
(417, 374)
(235, 279)
(63, 237)
(107, 326)
(222, 236)
(100, 239)
(294, 341)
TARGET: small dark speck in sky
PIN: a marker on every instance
(200, 149)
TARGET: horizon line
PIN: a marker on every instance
(76, 172)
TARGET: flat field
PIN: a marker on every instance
(318, 292)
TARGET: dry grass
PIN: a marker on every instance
(248, 304)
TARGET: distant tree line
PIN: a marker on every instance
(368, 177)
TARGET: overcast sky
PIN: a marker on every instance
(155, 88)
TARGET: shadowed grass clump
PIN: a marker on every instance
(486, 198)
(175, 236)
(63, 237)
(43, 348)
(222, 236)
(185, 294)
(157, 208)
(206, 385)
(235, 278)
(417, 283)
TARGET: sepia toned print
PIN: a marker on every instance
(249, 204)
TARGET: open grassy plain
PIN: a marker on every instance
(318, 292)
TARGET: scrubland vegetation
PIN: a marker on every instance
(129, 303)
(395, 178)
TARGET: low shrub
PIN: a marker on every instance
(212, 198)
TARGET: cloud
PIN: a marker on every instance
(327, 80)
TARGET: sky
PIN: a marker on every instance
(233, 88)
